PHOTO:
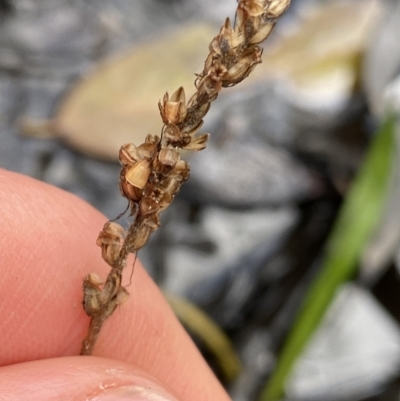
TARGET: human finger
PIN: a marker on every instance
(47, 245)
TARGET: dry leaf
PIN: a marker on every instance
(117, 103)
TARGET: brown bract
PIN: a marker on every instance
(152, 173)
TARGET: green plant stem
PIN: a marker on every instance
(357, 219)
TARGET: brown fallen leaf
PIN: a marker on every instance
(117, 103)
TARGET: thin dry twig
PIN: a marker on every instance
(153, 172)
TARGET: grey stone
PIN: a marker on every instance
(353, 354)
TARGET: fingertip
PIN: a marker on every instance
(80, 378)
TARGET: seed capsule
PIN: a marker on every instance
(172, 132)
(168, 156)
(122, 296)
(243, 67)
(91, 290)
(138, 174)
(262, 33)
(277, 7)
(111, 239)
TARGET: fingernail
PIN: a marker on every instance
(132, 393)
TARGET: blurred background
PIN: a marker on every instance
(240, 245)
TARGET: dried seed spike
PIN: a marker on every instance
(152, 173)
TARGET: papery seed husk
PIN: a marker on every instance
(277, 7)
(91, 304)
(237, 39)
(239, 20)
(197, 143)
(128, 154)
(148, 206)
(130, 192)
(112, 233)
(253, 8)
(262, 33)
(168, 156)
(171, 188)
(110, 251)
(212, 85)
(122, 295)
(181, 171)
(172, 112)
(94, 279)
(152, 138)
(172, 132)
(138, 174)
(192, 130)
(243, 67)
(178, 96)
(115, 230)
(161, 108)
(215, 46)
(147, 150)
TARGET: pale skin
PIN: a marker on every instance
(47, 246)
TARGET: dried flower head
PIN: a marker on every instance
(153, 173)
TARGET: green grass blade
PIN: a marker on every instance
(357, 219)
